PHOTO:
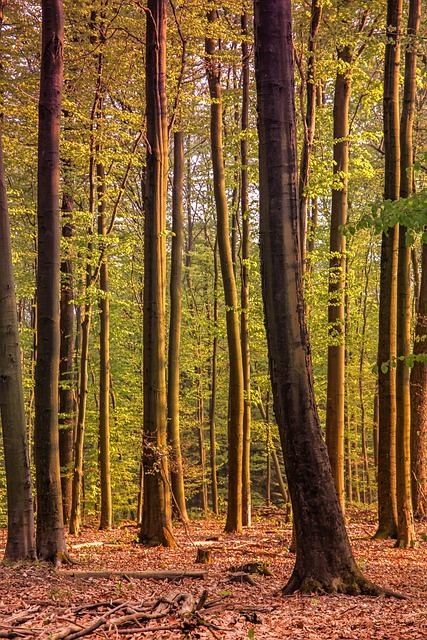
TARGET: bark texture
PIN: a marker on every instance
(20, 543)
(236, 382)
(66, 387)
(156, 527)
(335, 418)
(324, 560)
(50, 541)
(177, 474)
(387, 507)
(405, 520)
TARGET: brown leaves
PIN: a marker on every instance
(38, 602)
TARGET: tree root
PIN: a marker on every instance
(350, 583)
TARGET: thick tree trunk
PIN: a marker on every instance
(324, 559)
(337, 275)
(176, 470)
(244, 275)
(405, 520)
(236, 382)
(66, 386)
(387, 508)
(20, 517)
(156, 525)
(50, 541)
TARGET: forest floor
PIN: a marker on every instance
(37, 601)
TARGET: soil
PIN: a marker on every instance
(37, 601)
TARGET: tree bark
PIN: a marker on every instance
(244, 275)
(213, 384)
(387, 507)
(106, 514)
(177, 475)
(50, 540)
(337, 274)
(236, 382)
(66, 386)
(324, 560)
(156, 528)
(419, 402)
(309, 123)
(405, 520)
(20, 517)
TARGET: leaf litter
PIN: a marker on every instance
(37, 601)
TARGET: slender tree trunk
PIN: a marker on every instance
(324, 559)
(362, 357)
(309, 122)
(201, 441)
(86, 316)
(244, 272)
(419, 402)
(337, 273)
(106, 514)
(20, 517)
(177, 474)
(405, 520)
(50, 540)
(212, 406)
(236, 381)
(156, 525)
(66, 387)
(387, 507)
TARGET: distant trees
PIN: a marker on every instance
(194, 228)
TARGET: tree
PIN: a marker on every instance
(20, 517)
(50, 541)
(177, 475)
(156, 525)
(244, 277)
(405, 520)
(236, 381)
(387, 508)
(66, 390)
(335, 417)
(324, 559)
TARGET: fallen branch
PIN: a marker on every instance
(137, 575)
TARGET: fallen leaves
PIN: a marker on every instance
(39, 602)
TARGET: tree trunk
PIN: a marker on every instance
(337, 275)
(387, 508)
(212, 405)
(66, 386)
(106, 514)
(309, 122)
(177, 474)
(236, 382)
(200, 421)
(324, 559)
(20, 516)
(419, 402)
(50, 541)
(244, 272)
(156, 525)
(405, 520)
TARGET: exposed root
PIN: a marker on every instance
(351, 583)
(62, 557)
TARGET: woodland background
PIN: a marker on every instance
(103, 144)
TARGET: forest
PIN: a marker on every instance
(213, 315)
